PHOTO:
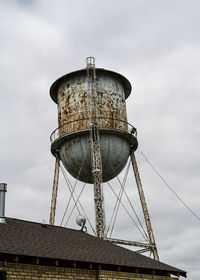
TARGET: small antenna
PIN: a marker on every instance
(81, 221)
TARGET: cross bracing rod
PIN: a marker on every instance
(143, 250)
(54, 192)
(144, 208)
(130, 243)
(95, 151)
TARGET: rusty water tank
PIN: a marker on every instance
(71, 140)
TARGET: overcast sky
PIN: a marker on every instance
(155, 44)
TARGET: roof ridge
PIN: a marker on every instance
(34, 222)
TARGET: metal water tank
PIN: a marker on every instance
(71, 140)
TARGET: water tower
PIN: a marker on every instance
(93, 139)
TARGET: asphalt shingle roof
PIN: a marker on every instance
(34, 239)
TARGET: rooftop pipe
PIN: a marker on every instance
(3, 190)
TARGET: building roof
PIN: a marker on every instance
(24, 238)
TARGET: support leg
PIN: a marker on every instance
(54, 192)
(144, 207)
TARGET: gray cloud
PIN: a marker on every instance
(155, 44)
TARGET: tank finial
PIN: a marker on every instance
(90, 62)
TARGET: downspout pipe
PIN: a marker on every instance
(3, 190)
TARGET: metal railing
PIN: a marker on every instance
(85, 124)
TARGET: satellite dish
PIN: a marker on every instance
(81, 221)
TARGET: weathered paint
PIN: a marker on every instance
(75, 115)
(75, 104)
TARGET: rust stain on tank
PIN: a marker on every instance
(75, 104)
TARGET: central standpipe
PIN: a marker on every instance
(95, 151)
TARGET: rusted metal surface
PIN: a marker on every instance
(69, 127)
(55, 86)
(75, 104)
(76, 116)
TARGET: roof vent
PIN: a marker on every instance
(3, 190)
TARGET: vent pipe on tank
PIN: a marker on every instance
(3, 190)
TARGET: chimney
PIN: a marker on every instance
(3, 190)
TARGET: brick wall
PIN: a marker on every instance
(17, 271)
